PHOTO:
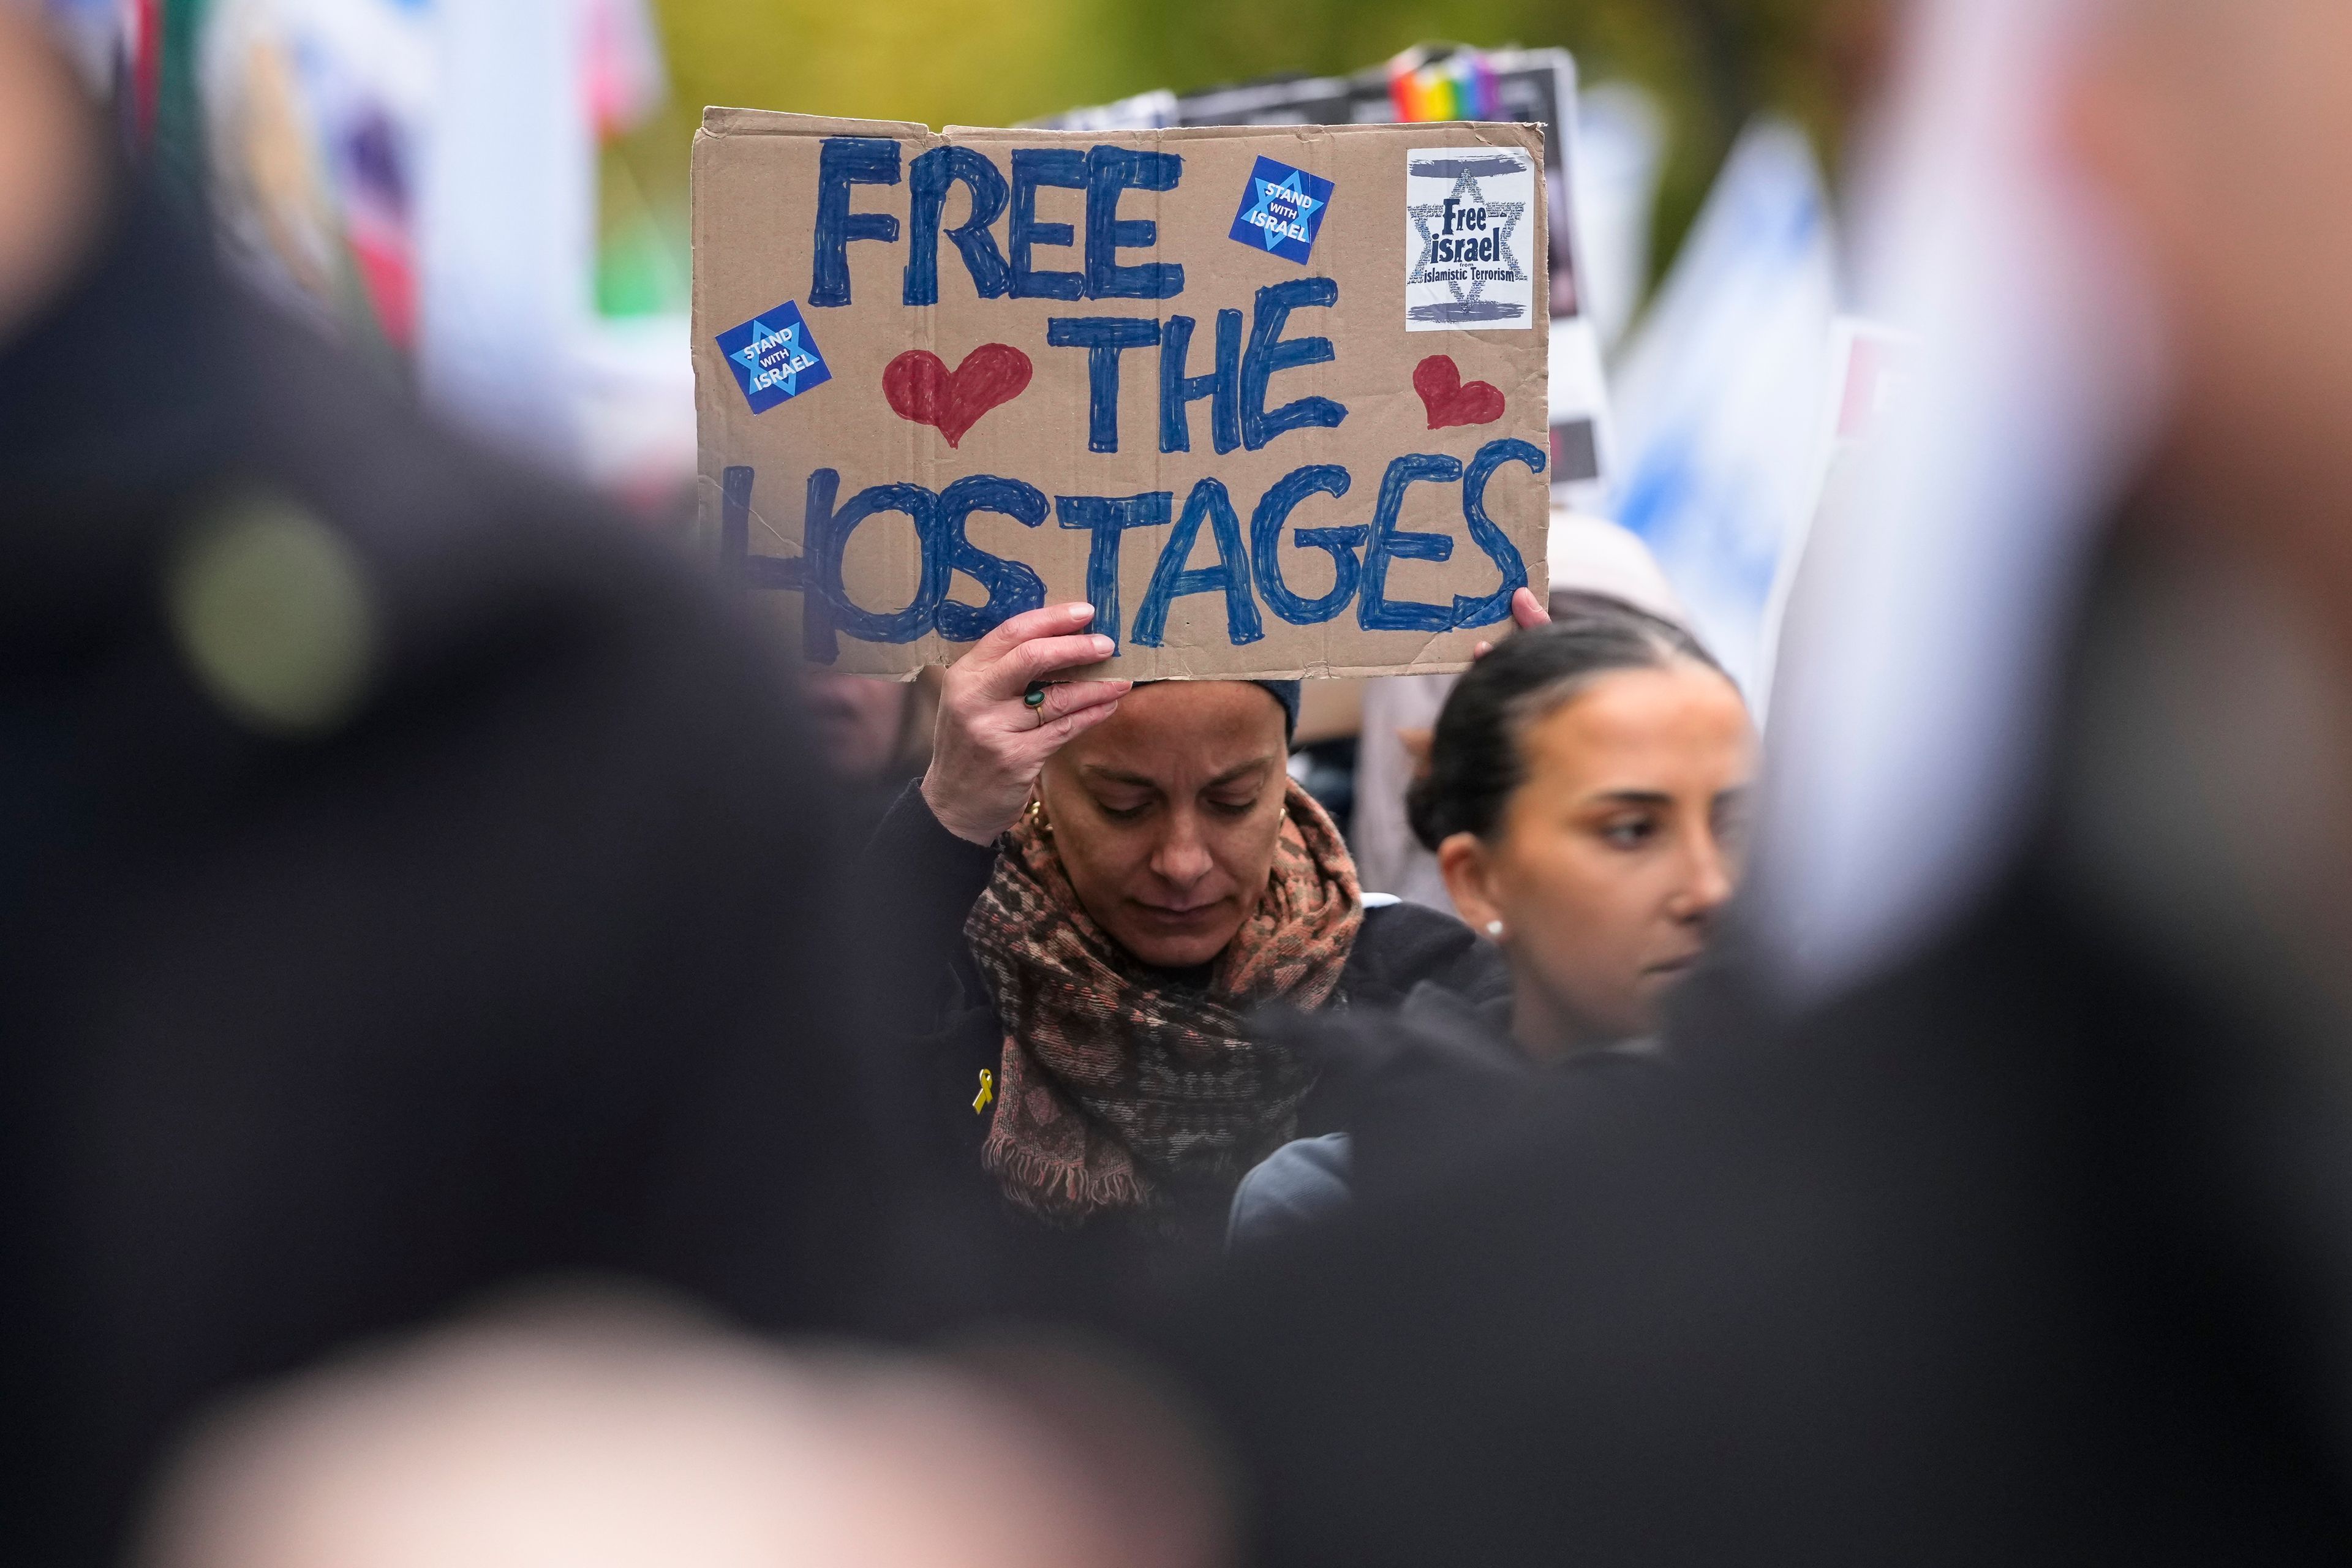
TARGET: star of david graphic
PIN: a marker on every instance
(1275, 230)
(1506, 216)
(796, 360)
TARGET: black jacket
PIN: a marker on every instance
(938, 1008)
(1973, 1268)
(524, 965)
(2035, 1249)
(1415, 1085)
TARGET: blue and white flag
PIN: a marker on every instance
(1718, 392)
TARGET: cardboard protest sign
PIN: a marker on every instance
(1275, 402)
(1534, 87)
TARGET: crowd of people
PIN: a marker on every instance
(502, 1068)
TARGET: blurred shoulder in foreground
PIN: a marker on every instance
(408, 880)
(2029, 1252)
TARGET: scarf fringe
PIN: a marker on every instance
(1057, 1190)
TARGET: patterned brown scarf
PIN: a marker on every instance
(1118, 1085)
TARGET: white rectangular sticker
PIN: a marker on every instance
(1471, 229)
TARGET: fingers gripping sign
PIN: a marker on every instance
(999, 722)
(1527, 612)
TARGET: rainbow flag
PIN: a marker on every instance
(1459, 87)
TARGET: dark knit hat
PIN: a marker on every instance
(1283, 691)
(1286, 693)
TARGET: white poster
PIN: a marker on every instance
(1471, 228)
(1870, 371)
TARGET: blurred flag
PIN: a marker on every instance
(143, 62)
(1459, 86)
(1716, 393)
(313, 116)
(1619, 155)
(626, 75)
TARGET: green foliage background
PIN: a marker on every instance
(1712, 63)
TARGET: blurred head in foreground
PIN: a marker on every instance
(862, 722)
(2118, 226)
(607, 1438)
(2218, 134)
(390, 830)
(1586, 799)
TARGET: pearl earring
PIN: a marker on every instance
(1494, 930)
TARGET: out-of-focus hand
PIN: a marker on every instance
(991, 742)
(1527, 612)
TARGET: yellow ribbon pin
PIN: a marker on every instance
(987, 1092)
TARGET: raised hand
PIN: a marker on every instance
(994, 734)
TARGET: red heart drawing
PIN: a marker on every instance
(920, 387)
(1439, 381)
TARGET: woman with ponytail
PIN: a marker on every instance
(1586, 798)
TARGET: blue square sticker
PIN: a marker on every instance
(1282, 210)
(774, 358)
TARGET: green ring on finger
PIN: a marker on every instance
(1034, 697)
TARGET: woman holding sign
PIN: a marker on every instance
(1099, 882)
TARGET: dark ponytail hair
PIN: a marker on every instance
(1475, 763)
